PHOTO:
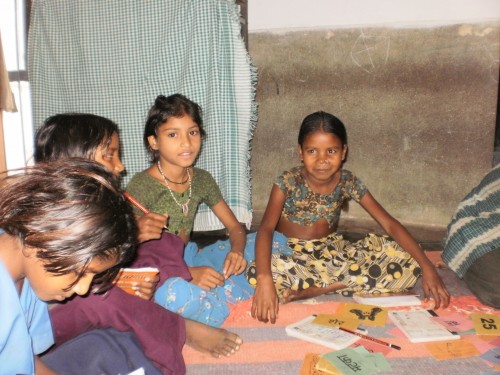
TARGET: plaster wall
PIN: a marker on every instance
(419, 104)
(265, 15)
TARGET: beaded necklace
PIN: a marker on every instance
(184, 206)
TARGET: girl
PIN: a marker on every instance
(173, 135)
(305, 205)
(64, 226)
(96, 138)
(160, 332)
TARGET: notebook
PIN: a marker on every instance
(388, 299)
(330, 337)
(418, 326)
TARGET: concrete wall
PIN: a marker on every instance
(419, 105)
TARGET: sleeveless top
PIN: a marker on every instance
(305, 207)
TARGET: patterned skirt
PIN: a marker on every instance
(371, 265)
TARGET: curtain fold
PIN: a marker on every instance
(7, 101)
(113, 57)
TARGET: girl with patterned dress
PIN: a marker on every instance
(305, 205)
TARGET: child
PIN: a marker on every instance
(64, 226)
(305, 205)
(160, 332)
(96, 138)
(173, 135)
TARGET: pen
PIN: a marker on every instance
(370, 338)
(132, 200)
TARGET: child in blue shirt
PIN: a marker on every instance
(64, 226)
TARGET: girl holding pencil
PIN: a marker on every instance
(161, 333)
(173, 136)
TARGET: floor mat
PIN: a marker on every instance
(267, 349)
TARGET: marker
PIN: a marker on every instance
(370, 338)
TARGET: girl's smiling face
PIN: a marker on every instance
(51, 287)
(178, 142)
(323, 154)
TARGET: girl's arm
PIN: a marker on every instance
(235, 262)
(431, 282)
(265, 304)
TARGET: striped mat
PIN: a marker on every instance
(267, 349)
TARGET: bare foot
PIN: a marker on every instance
(290, 295)
(212, 340)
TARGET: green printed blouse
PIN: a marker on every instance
(157, 198)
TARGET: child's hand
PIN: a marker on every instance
(265, 303)
(147, 288)
(151, 226)
(206, 277)
(432, 285)
(234, 264)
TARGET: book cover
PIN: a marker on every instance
(388, 299)
(418, 326)
(330, 337)
(127, 277)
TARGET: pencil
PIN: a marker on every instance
(136, 203)
(370, 338)
(132, 200)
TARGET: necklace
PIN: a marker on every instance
(184, 206)
(177, 183)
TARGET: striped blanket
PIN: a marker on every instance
(268, 350)
(112, 58)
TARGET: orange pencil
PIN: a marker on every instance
(370, 338)
(136, 203)
(132, 200)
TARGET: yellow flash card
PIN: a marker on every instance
(486, 324)
(326, 366)
(452, 349)
(337, 320)
(366, 315)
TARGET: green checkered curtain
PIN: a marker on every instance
(113, 57)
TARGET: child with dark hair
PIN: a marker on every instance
(92, 137)
(64, 226)
(173, 135)
(160, 332)
(305, 206)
